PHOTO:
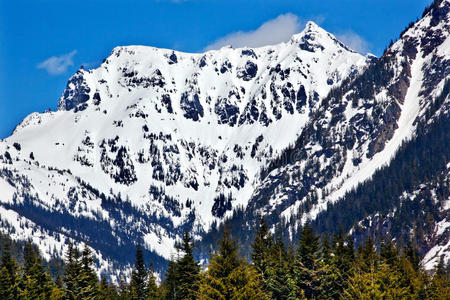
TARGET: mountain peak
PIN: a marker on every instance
(314, 38)
(312, 26)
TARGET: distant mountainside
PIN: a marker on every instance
(325, 176)
(155, 142)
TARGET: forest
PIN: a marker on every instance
(320, 267)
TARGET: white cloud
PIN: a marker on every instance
(57, 64)
(271, 32)
(354, 41)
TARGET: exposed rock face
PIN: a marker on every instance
(155, 142)
(359, 126)
(76, 92)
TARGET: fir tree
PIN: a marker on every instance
(139, 275)
(124, 289)
(439, 287)
(278, 271)
(376, 283)
(228, 276)
(153, 291)
(87, 277)
(72, 272)
(187, 269)
(260, 248)
(307, 263)
(5, 284)
(8, 275)
(36, 282)
(170, 283)
(330, 277)
(57, 293)
(107, 291)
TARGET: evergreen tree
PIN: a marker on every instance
(107, 291)
(228, 276)
(170, 283)
(153, 291)
(124, 289)
(260, 248)
(307, 263)
(313, 272)
(87, 277)
(439, 287)
(139, 275)
(9, 285)
(389, 253)
(57, 293)
(330, 277)
(187, 269)
(376, 283)
(36, 282)
(72, 272)
(368, 259)
(5, 284)
(278, 271)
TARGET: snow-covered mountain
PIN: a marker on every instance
(358, 128)
(155, 142)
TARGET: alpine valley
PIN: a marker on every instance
(156, 142)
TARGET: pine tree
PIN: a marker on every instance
(170, 283)
(307, 263)
(103, 289)
(228, 276)
(247, 283)
(153, 291)
(5, 284)
(139, 277)
(439, 287)
(72, 272)
(260, 248)
(124, 289)
(389, 253)
(57, 293)
(326, 251)
(88, 278)
(278, 271)
(36, 282)
(107, 291)
(8, 274)
(188, 270)
(330, 277)
(368, 258)
(362, 285)
(381, 282)
(412, 256)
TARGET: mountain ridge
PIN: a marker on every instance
(156, 141)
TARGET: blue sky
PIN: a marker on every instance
(43, 42)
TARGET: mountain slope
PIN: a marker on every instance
(155, 141)
(359, 128)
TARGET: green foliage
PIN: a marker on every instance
(139, 276)
(36, 281)
(316, 269)
(260, 248)
(9, 286)
(307, 265)
(80, 279)
(183, 273)
(229, 276)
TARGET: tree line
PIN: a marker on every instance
(319, 268)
